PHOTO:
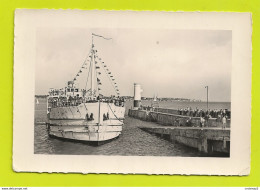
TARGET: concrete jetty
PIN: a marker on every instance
(207, 140)
(171, 118)
(210, 139)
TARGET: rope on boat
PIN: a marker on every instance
(114, 113)
(79, 111)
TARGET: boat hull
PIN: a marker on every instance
(73, 123)
(85, 133)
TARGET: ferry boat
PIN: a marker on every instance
(85, 114)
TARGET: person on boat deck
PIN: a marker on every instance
(104, 117)
(91, 116)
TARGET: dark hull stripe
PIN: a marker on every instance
(81, 125)
(83, 119)
(93, 143)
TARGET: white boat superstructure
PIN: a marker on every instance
(85, 114)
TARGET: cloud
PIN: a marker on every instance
(172, 63)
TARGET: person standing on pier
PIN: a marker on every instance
(202, 122)
(224, 122)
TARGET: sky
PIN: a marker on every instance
(168, 63)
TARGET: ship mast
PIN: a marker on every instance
(93, 66)
(92, 70)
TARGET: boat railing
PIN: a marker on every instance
(53, 103)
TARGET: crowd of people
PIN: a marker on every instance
(211, 113)
(76, 100)
(221, 115)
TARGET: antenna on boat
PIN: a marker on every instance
(93, 80)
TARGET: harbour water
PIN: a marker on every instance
(132, 142)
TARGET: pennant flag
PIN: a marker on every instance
(99, 88)
(115, 83)
(96, 50)
(97, 67)
(98, 79)
(80, 71)
(99, 83)
(95, 62)
(117, 90)
(99, 73)
(77, 74)
(74, 79)
(109, 72)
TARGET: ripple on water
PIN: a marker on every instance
(132, 142)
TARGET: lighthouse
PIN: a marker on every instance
(137, 95)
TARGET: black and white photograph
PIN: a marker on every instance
(133, 92)
(125, 89)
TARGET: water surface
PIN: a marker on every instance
(132, 142)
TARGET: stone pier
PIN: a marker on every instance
(207, 140)
(211, 139)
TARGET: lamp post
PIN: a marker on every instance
(207, 87)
